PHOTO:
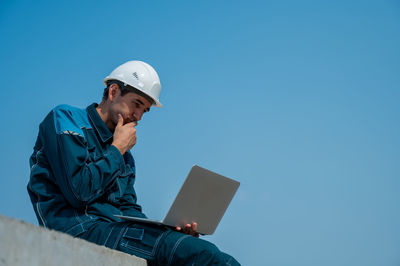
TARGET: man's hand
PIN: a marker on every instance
(189, 229)
(124, 135)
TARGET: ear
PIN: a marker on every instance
(113, 91)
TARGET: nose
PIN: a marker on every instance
(137, 115)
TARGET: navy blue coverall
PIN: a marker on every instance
(79, 181)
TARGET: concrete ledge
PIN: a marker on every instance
(25, 244)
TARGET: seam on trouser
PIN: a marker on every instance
(74, 228)
(77, 217)
(157, 242)
(175, 247)
(119, 237)
(112, 228)
(140, 250)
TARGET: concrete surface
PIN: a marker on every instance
(24, 244)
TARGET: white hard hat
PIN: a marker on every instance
(139, 75)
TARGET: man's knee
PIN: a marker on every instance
(229, 260)
(212, 255)
(206, 253)
(191, 250)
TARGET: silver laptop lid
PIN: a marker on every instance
(203, 198)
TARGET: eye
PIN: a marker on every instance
(139, 104)
(136, 103)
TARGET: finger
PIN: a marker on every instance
(120, 120)
(194, 227)
(183, 229)
(188, 229)
(130, 124)
(178, 228)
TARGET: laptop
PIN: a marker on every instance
(203, 198)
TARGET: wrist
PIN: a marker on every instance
(122, 151)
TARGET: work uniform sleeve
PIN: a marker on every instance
(81, 178)
(128, 202)
(128, 206)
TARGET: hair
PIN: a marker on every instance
(125, 88)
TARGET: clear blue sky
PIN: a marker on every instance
(298, 100)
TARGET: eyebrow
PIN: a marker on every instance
(146, 109)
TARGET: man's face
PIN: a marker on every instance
(131, 106)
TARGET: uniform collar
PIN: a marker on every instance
(98, 123)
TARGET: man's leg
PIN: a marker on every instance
(105, 233)
(158, 245)
(180, 249)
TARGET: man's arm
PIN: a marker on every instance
(81, 178)
(128, 204)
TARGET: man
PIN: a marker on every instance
(82, 174)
